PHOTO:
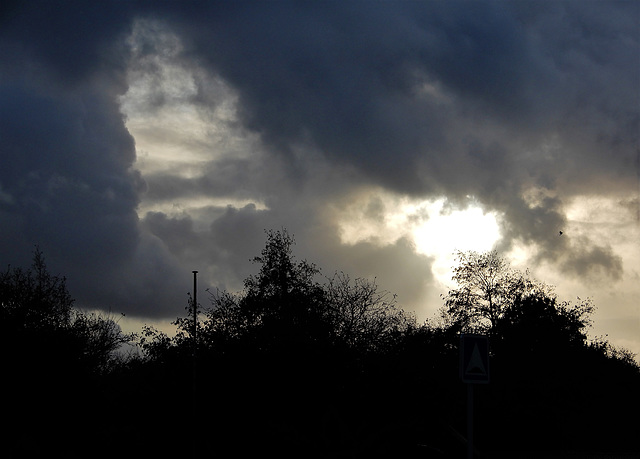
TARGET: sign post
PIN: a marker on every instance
(474, 369)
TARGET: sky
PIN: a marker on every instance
(143, 140)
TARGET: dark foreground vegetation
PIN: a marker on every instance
(298, 365)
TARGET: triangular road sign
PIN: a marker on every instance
(474, 359)
(475, 365)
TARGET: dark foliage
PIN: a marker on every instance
(53, 360)
(551, 387)
(298, 365)
(291, 366)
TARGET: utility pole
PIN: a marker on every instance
(195, 309)
(194, 337)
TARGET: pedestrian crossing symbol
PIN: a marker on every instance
(474, 359)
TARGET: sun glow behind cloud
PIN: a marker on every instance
(447, 231)
(187, 129)
(434, 229)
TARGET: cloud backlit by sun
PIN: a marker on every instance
(435, 228)
(156, 139)
(470, 228)
(465, 229)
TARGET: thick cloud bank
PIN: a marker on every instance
(254, 115)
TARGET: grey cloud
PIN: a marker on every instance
(344, 77)
(536, 222)
(71, 42)
(594, 263)
(221, 252)
(67, 156)
(67, 166)
(150, 284)
(396, 267)
(426, 98)
(517, 77)
(544, 224)
(227, 177)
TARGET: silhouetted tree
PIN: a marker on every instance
(53, 357)
(290, 352)
(285, 299)
(37, 304)
(487, 287)
(33, 298)
(548, 379)
(283, 302)
(547, 376)
(294, 366)
(363, 316)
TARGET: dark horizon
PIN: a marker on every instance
(295, 367)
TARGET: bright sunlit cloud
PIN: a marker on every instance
(434, 229)
(175, 136)
(445, 232)
(466, 229)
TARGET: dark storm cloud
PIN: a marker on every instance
(221, 252)
(68, 41)
(66, 155)
(525, 95)
(346, 76)
(592, 262)
(236, 236)
(226, 177)
(331, 73)
(486, 99)
(66, 165)
(397, 268)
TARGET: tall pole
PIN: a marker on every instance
(194, 336)
(195, 306)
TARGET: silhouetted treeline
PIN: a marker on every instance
(54, 359)
(298, 365)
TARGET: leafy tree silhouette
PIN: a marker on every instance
(362, 316)
(33, 298)
(545, 369)
(284, 304)
(487, 288)
(53, 356)
(295, 366)
(299, 347)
